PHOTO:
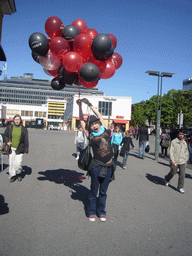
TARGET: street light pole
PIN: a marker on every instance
(158, 124)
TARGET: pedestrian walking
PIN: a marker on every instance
(164, 143)
(143, 137)
(136, 131)
(179, 155)
(16, 135)
(80, 140)
(190, 149)
(126, 142)
(102, 167)
(112, 129)
(116, 142)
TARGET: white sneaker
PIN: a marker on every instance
(124, 167)
(77, 158)
(182, 191)
(166, 182)
(102, 218)
(92, 218)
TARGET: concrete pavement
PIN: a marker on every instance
(45, 213)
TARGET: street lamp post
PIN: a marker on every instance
(159, 97)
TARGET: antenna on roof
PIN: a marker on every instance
(5, 68)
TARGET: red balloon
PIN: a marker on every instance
(72, 61)
(88, 85)
(59, 46)
(91, 32)
(108, 71)
(80, 24)
(117, 60)
(50, 62)
(82, 45)
(100, 64)
(54, 27)
(114, 40)
(53, 72)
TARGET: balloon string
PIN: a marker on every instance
(79, 91)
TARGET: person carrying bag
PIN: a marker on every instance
(101, 168)
(16, 136)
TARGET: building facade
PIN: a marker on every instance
(29, 91)
(187, 84)
(51, 113)
(115, 110)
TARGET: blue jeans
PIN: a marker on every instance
(142, 144)
(125, 158)
(80, 146)
(101, 184)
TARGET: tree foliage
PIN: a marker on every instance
(171, 104)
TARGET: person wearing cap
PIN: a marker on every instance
(179, 155)
(102, 167)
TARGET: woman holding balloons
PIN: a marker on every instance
(102, 167)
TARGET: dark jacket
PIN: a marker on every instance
(24, 143)
(127, 141)
(143, 133)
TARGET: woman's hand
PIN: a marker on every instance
(78, 102)
(84, 100)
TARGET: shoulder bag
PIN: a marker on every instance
(6, 148)
(85, 158)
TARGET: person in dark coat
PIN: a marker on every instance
(126, 142)
(143, 137)
(16, 135)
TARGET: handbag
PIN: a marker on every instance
(6, 149)
(147, 148)
(85, 158)
(122, 152)
(166, 144)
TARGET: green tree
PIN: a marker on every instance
(171, 104)
(137, 115)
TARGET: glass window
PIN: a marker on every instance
(105, 108)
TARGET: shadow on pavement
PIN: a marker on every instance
(3, 206)
(165, 164)
(4, 167)
(74, 155)
(71, 179)
(158, 180)
(188, 176)
(26, 171)
(155, 179)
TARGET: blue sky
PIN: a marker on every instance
(151, 35)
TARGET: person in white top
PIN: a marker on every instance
(79, 141)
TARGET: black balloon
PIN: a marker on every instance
(89, 72)
(108, 54)
(101, 45)
(56, 84)
(70, 32)
(39, 44)
(35, 56)
(67, 77)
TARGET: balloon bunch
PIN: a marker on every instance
(75, 54)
